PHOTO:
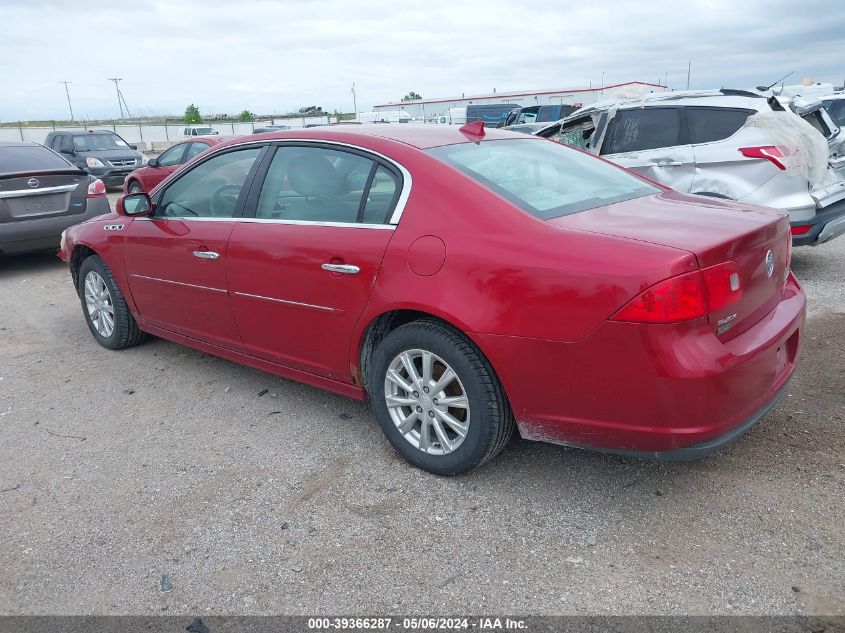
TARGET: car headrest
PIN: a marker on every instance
(313, 175)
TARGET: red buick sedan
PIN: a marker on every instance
(468, 283)
(147, 177)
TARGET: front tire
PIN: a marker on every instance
(104, 306)
(437, 398)
(135, 187)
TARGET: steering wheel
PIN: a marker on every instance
(224, 199)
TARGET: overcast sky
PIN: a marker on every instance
(277, 56)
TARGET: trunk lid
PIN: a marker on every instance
(715, 231)
(42, 195)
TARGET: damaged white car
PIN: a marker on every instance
(733, 144)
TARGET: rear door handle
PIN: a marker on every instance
(206, 254)
(345, 269)
(671, 163)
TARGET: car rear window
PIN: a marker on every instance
(24, 158)
(714, 124)
(546, 179)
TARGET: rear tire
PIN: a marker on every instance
(444, 425)
(104, 306)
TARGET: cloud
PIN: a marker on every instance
(277, 56)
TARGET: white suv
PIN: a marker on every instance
(199, 130)
(731, 144)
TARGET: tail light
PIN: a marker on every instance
(685, 297)
(800, 230)
(96, 189)
(788, 256)
(769, 152)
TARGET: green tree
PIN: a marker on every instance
(192, 114)
(412, 96)
(246, 117)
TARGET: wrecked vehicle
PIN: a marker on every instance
(835, 105)
(731, 144)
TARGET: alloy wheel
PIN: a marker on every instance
(98, 302)
(427, 402)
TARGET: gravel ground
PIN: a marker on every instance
(159, 479)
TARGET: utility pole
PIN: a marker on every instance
(67, 92)
(354, 100)
(117, 91)
(689, 69)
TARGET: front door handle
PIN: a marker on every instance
(346, 269)
(670, 163)
(206, 254)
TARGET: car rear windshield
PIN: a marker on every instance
(544, 178)
(94, 142)
(17, 159)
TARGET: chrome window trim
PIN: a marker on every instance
(173, 218)
(178, 283)
(350, 225)
(286, 301)
(22, 193)
(407, 183)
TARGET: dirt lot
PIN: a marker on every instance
(159, 479)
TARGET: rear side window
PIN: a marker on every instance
(23, 158)
(318, 184)
(194, 150)
(547, 180)
(714, 124)
(647, 128)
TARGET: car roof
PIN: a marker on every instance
(421, 135)
(84, 132)
(714, 98)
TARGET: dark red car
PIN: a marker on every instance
(468, 284)
(147, 177)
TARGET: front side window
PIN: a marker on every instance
(714, 124)
(211, 189)
(547, 180)
(643, 129)
(318, 184)
(173, 156)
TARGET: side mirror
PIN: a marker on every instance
(153, 162)
(67, 150)
(134, 204)
(133, 147)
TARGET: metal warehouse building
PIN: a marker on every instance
(428, 108)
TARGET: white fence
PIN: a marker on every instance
(152, 135)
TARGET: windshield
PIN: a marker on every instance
(836, 109)
(203, 130)
(94, 142)
(544, 178)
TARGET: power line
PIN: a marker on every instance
(67, 92)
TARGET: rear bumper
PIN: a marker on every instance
(827, 224)
(670, 392)
(39, 234)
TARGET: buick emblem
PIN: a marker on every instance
(33, 182)
(770, 263)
